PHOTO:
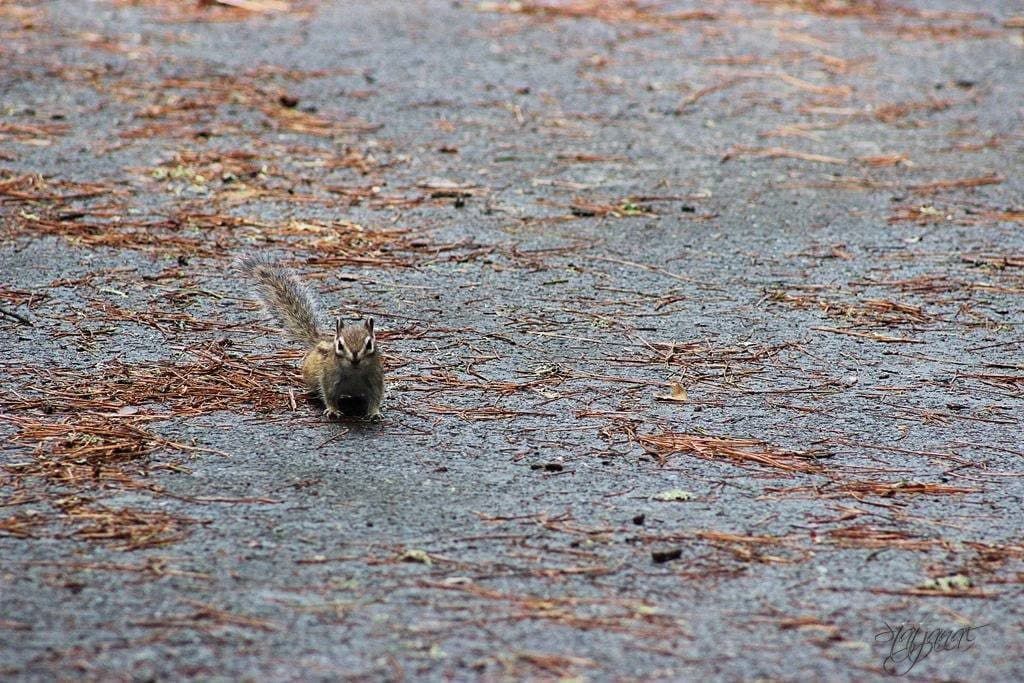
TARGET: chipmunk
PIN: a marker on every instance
(343, 371)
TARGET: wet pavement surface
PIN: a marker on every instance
(703, 327)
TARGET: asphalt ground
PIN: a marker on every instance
(702, 324)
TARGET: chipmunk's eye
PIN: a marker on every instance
(368, 347)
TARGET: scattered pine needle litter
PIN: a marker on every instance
(129, 528)
(890, 489)
(763, 549)
(87, 434)
(869, 312)
(90, 440)
(779, 153)
(883, 489)
(744, 452)
(83, 435)
(206, 617)
(867, 536)
(220, 10)
(629, 12)
(82, 458)
(32, 187)
(214, 382)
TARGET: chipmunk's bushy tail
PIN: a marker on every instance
(286, 298)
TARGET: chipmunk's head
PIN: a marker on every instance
(354, 343)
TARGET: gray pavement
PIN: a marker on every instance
(766, 254)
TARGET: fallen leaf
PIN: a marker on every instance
(674, 495)
(947, 584)
(419, 556)
(678, 394)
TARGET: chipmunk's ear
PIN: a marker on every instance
(339, 325)
(368, 324)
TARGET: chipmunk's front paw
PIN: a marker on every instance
(331, 414)
(374, 412)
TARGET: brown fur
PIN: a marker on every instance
(345, 371)
(345, 388)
